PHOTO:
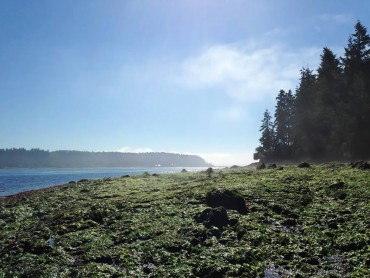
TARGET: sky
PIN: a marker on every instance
(180, 76)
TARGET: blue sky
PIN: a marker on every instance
(176, 76)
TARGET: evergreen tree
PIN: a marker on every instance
(329, 105)
(284, 122)
(305, 142)
(328, 118)
(356, 72)
(265, 151)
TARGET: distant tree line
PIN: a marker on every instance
(328, 116)
(36, 158)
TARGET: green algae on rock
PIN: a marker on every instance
(303, 223)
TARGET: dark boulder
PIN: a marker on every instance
(83, 180)
(209, 171)
(184, 171)
(271, 166)
(261, 166)
(229, 199)
(337, 185)
(304, 165)
(213, 217)
(362, 165)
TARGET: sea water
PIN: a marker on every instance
(13, 181)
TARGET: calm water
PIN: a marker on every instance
(17, 180)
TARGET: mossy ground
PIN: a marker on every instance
(298, 224)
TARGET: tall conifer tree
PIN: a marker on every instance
(304, 129)
(330, 113)
(265, 151)
(284, 122)
(356, 72)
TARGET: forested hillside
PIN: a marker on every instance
(328, 116)
(35, 158)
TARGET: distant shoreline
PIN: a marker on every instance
(14, 181)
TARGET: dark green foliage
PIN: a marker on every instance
(356, 63)
(328, 117)
(305, 140)
(229, 199)
(284, 125)
(267, 139)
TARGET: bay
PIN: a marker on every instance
(13, 181)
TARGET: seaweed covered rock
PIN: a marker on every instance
(229, 199)
(213, 217)
(261, 166)
(304, 165)
(362, 165)
(209, 171)
(337, 185)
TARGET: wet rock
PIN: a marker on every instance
(312, 260)
(214, 231)
(280, 168)
(337, 185)
(83, 180)
(272, 166)
(184, 171)
(362, 165)
(209, 171)
(229, 199)
(210, 272)
(277, 208)
(332, 224)
(233, 222)
(125, 176)
(290, 222)
(213, 217)
(303, 165)
(261, 166)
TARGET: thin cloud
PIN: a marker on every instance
(336, 18)
(245, 72)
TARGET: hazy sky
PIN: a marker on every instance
(175, 76)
